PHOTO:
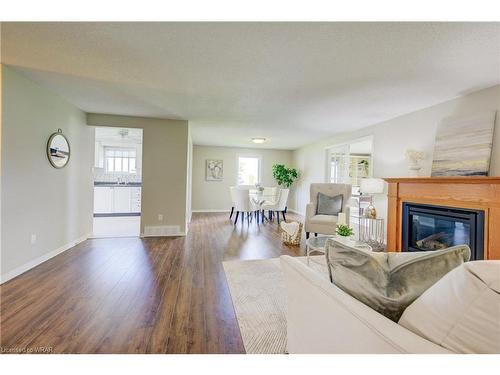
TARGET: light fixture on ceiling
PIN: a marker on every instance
(259, 140)
(123, 132)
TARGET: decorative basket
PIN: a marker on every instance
(288, 239)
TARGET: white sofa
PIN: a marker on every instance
(321, 318)
(458, 314)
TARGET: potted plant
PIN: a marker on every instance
(344, 231)
(364, 164)
(284, 176)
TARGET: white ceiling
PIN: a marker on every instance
(293, 83)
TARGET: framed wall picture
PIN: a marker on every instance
(463, 145)
(214, 170)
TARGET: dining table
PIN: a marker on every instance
(260, 199)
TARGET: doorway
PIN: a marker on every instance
(348, 162)
(117, 182)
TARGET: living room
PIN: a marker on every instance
(300, 188)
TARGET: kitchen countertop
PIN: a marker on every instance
(114, 184)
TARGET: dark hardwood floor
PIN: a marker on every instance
(131, 295)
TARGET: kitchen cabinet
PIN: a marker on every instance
(117, 199)
(135, 199)
(103, 200)
(121, 199)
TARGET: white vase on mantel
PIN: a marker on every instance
(414, 170)
(414, 157)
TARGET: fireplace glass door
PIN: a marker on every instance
(434, 232)
(430, 228)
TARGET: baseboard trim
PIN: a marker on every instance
(296, 212)
(163, 231)
(118, 214)
(180, 234)
(35, 262)
(211, 210)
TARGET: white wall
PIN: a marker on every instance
(53, 204)
(189, 192)
(214, 195)
(1, 133)
(392, 138)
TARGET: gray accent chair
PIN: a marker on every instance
(325, 224)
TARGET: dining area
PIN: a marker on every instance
(262, 204)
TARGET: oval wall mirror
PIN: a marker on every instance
(58, 150)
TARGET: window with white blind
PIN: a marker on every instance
(122, 160)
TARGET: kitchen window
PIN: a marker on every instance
(122, 160)
(248, 170)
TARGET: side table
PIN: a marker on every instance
(319, 244)
(372, 232)
(316, 244)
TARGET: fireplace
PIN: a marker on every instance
(470, 193)
(428, 227)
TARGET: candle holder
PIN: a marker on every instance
(341, 219)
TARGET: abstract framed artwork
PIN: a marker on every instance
(463, 146)
(214, 170)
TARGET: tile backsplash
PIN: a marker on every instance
(101, 176)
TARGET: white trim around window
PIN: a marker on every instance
(259, 172)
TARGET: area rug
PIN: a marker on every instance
(258, 292)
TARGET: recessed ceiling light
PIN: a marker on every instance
(258, 140)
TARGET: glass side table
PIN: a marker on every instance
(316, 244)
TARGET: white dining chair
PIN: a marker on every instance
(231, 193)
(271, 194)
(243, 204)
(279, 206)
